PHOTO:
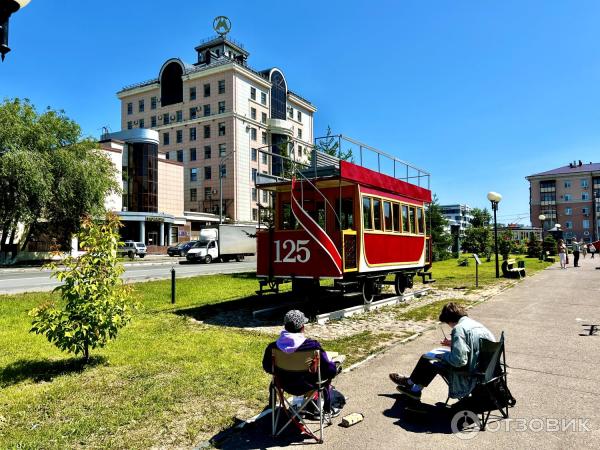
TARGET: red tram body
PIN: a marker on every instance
(350, 223)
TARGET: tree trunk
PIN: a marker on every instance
(27, 236)
(86, 353)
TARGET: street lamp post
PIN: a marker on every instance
(7, 8)
(495, 198)
(542, 218)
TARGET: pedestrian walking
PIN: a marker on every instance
(583, 250)
(592, 250)
(562, 253)
(576, 247)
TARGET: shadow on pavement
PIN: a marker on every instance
(417, 417)
(44, 370)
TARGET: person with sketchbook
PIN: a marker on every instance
(456, 363)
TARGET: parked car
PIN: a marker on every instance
(131, 249)
(180, 249)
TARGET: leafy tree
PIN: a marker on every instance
(478, 240)
(331, 146)
(48, 172)
(481, 217)
(550, 244)
(505, 244)
(440, 238)
(95, 299)
(534, 247)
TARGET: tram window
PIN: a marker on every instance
(406, 228)
(387, 216)
(420, 221)
(367, 216)
(346, 214)
(288, 220)
(377, 214)
(320, 214)
(396, 216)
(413, 213)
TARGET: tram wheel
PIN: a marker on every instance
(400, 284)
(368, 291)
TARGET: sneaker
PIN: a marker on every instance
(400, 380)
(335, 412)
(409, 392)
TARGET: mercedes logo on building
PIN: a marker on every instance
(222, 25)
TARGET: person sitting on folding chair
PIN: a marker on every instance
(456, 365)
(292, 339)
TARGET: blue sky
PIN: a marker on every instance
(479, 93)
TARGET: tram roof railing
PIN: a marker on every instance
(365, 156)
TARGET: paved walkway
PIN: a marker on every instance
(554, 375)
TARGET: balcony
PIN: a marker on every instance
(280, 126)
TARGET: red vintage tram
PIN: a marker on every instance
(341, 220)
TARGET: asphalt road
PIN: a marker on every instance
(14, 281)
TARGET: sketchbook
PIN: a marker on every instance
(436, 353)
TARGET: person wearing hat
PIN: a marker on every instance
(292, 339)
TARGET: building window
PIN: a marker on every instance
(299, 133)
(253, 153)
(567, 184)
(253, 113)
(193, 113)
(254, 214)
(167, 155)
(568, 211)
(206, 110)
(207, 173)
(153, 121)
(207, 152)
(192, 154)
(179, 136)
(142, 123)
(166, 119)
(263, 137)
(192, 93)
(222, 107)
(263, 157)
(586, 224)
(129, 108)
(253, 194)
(221, 128)
(193, 134)
(299, 151)
(223, 168)
(207, 90)
(129, 125)
(585, 210)
(569, 225)
(221, 86)
(253, 93)
(206, 131)
(265, 196)
(567, 197)
(253, 134)
(222, 150)
(179, 155)
(299, 116)
(193, 195)
(584, 183)
(254, 171)
(193, 174)
(141, 105)
(290, 112)
(207, 193)
(263, 117)
(152, 102)
(585, 196)
(263, 98)
(179, 115)
(166, 138)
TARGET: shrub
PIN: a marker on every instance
(95, 299)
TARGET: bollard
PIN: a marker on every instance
(173, 285)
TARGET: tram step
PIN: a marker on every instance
(431, 280)
(424, 274)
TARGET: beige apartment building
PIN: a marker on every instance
(568, 196)
(224, 122)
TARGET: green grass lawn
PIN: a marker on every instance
(166, 380)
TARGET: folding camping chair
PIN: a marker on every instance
(297, 373)
(491, 392)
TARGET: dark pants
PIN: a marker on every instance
(576, 259)
(426, 370)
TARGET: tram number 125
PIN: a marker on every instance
(295, 251)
